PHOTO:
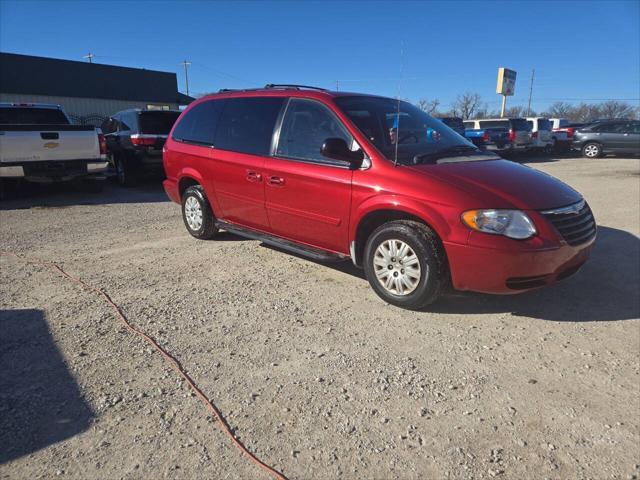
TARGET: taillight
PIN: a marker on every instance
(103, 144)
(534, 135)
(485, 136)
(570, 131)
(143, 140)
(512, 135)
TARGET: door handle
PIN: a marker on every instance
(276, 181)
(254, 176)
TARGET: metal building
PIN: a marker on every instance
(89, 92)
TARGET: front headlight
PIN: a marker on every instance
(510, 223)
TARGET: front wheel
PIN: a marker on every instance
(405, 264)
(197, 214)
(592, 150)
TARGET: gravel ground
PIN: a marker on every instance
(314, 372)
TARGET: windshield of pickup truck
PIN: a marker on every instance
(159, 123)
(418, 135)
(32, 116)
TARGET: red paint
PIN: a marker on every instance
(321, 205)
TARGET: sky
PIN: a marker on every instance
(580, 50)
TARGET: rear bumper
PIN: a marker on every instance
(171, 188)
(512, 271)
(55, 170)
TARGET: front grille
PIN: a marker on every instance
(575, 223)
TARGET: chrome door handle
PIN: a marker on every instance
(277, 181)
(254, 176)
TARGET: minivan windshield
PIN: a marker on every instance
(418, 137)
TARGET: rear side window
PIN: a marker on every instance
(246, 124)
(494, 124)
(469, 125)
(159, 123)
(520, 124)
(198, 125)
(32, 116)
(544, 124)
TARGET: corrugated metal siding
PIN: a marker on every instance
(83, 107)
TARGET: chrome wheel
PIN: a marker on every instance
(397, 267)
(193, 213)
(591, 151)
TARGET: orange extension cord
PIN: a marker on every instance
(167, 356)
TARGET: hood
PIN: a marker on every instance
(504, 184)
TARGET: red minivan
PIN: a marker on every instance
(333, 175)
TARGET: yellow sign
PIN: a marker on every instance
(506, 81)
(51, 145)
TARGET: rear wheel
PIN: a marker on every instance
(197, 214)
(405, 264)
(126, 172)
(592, 150)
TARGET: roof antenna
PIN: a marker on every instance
(397, 122)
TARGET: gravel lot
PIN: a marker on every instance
(313, 371)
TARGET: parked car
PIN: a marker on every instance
(38, 143)
(322, 174)
(562, 130)
(518, 132)
(541, 138)
(492, 139)
(621, 137)
(134, 141)
(454, 123)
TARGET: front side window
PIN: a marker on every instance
(198, 125)
(306, 126)
(246, 124)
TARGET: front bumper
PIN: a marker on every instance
(513, 270)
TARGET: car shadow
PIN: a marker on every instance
(40, 402)
(66, 194)
(605, 289)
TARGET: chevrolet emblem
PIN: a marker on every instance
(51, 145)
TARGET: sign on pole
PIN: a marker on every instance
(506, 86)
(506, 81)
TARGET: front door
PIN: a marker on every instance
(308, 196)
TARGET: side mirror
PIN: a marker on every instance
(337, 149)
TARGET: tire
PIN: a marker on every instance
(125, 171)
(197, 214)
(422, 250)
(591, 150)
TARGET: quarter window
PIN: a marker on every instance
(306, 126)
(246, 124)
(198, 125)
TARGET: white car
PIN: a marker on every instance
(541, 136)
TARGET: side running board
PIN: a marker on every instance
(300, 249)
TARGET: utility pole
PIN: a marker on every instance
(186, 74)
(533, 72)
(89, 56)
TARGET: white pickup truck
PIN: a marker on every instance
(38, 143)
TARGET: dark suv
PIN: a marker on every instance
(620, 136)
(134, 142)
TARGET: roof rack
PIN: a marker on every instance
(272, 86)
(297, 87)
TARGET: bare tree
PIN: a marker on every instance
(560, 110)
(616, 109)
(466, 104)
(429, 106)
(518, 111)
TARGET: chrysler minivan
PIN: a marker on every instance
(336, 175)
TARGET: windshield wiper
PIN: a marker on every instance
(445, 152)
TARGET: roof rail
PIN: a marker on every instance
(297, 87)
(224, 90)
